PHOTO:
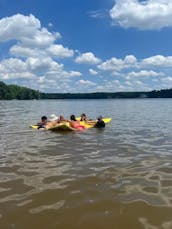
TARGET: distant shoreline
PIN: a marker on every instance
(10, 92)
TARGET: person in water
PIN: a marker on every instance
(43, 122)
(62, 119)
(47, 124)
(75, 123)
(52, 122)
(83, 117)
(100, 123)
(53, 118)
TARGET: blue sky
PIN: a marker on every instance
(86, 46)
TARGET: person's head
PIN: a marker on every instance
(72, 117)
(61, 118)
(99, 118)
(83, 115)
(43, 118)
(53, 117)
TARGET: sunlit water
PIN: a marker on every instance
(119, 177)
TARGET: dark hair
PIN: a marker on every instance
(100, 118)
(72, 117)
(83, 115)
(44, 118)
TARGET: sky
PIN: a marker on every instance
(85, 46)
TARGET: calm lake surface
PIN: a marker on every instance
(119, 177)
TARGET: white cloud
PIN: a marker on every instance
(101, 13)
(38, 50)
(130, 59)
(144, 73)
(138, 82)
(18, 26)
(52, 51)
(43, 70)
(93, 72)
(41, 74)
(35, 63)
(21, 51)
(86, 83)
(166, 82)
(136, 85)
(117, 74)
(59, 51)
(13, 65)
(75, 73)
(50, 24)
(27, 30)
(14, 69)
(44, 81)
(32, 39)
(87, 58)
(41, 79)
(145, 15)
(128, 83)
(15, 75)
(115, 64)
(43, 65)
(41, 38)
(158, 60)
(110, 86)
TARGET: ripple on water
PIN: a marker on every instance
(120, 177)
(54, 206)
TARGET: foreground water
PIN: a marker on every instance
(119, 177)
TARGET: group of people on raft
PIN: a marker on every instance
(46, 123)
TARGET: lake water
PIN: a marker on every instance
(119, 177)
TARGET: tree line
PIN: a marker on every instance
(8, 92)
